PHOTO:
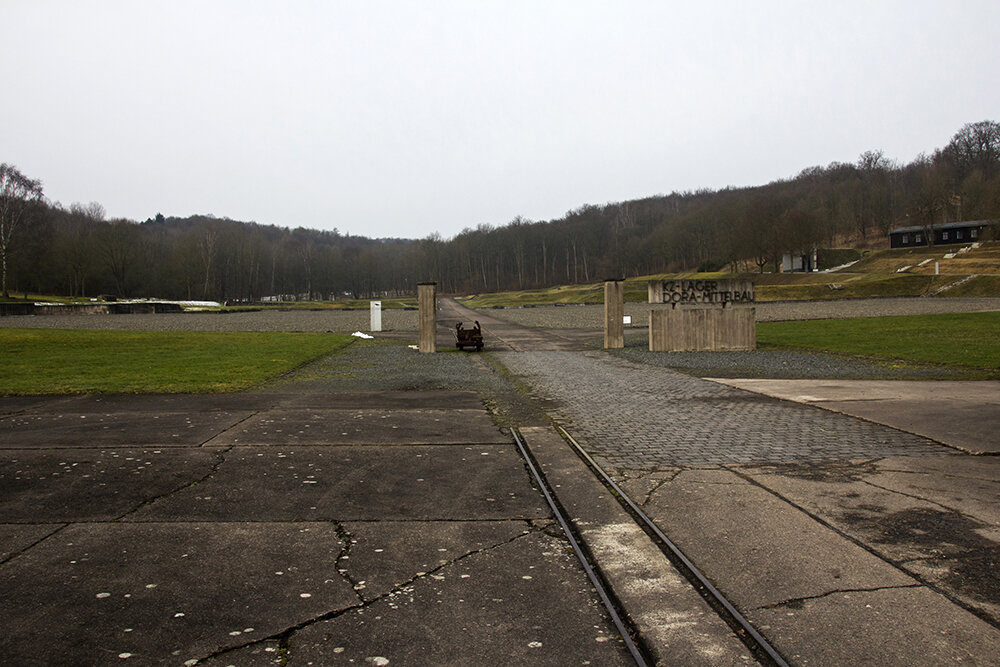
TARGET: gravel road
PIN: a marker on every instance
(555, 317)
(263, 320)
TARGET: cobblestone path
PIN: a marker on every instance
(630, 415)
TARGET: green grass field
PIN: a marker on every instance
(70, 361)
(965, 340)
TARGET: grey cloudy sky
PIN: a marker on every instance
(407, 118)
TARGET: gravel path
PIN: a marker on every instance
(554, 317)
(263, 320)
(389, 365)
(592, 316)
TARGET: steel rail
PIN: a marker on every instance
(753, 639)
(593, 576)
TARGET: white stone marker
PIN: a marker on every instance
(376, 308)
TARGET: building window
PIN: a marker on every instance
(944, 236)
(973, 233)
(906, 239)
(958, 235)
(918, 239)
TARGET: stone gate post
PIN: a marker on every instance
(614, 311)
(427, 302)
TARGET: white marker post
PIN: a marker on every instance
(376, 308)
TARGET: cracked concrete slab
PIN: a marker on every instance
(262, 654)
(384, 555)
(425, 482)
(165, 592)
(796, 563)
(894, 626)
(226, 555)
(115, 429)
(520, 603)
(759, 549)
(935, 519)
(63, 485)
(364, 426)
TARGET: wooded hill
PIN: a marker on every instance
(77, 252)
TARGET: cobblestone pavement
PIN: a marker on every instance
(630, 416)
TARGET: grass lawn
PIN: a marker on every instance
(70, 361)
(967, 340)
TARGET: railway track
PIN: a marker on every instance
(641, 652)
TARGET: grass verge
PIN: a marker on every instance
(965, 340)
(72, 361)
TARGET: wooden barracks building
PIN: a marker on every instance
(969, 231)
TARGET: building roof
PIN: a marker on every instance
(947, 225)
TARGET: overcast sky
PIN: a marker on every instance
(408, 118)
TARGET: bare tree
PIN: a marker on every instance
(18, 194)
(976, 146)
(121, 244)
(206, 251)
(76, 246)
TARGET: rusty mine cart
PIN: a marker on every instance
(469, 337)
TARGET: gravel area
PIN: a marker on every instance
(592, 316)
(784, 364)
(263, 320)
(554, 317)
(389, 365)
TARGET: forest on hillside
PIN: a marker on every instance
(46, 248)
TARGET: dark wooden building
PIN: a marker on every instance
(969, 231)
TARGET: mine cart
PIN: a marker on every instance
(469, 337)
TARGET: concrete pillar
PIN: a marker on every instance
(614, 311)
(376, 316)
(427, 301)
(655, 291)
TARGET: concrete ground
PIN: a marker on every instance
(367, 509)
(375, 528)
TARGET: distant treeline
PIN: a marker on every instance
(76, 251)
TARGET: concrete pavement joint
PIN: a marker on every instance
(15, 554)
